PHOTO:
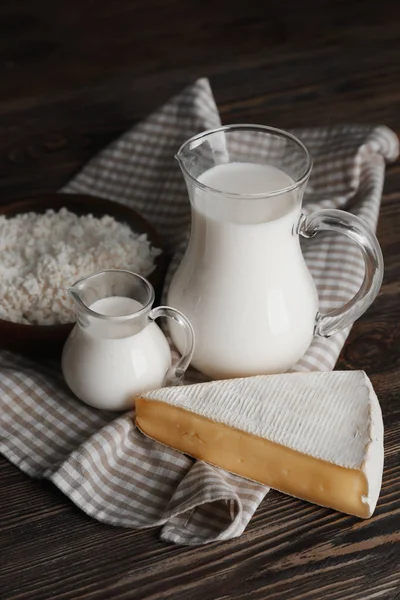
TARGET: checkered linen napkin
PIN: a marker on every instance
(99, 459)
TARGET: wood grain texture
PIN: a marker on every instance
(75, 75)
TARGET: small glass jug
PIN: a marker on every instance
(243, 282)
(116, 350)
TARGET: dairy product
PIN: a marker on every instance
(243, 282)
(316, 436)
(104, 364)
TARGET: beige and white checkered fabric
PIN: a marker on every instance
(99, 459)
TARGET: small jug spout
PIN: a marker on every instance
(74, 293)
(81, 309)
(80, 306)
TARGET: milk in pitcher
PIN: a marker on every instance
(243, 282)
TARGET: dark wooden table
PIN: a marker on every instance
(76, 74)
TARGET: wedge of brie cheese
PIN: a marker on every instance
(315, 436)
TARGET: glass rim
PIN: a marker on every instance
(249, 127)
(121, 318)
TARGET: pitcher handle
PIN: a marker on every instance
(354, 228)
(177, 371)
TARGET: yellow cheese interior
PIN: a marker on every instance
(254, 457)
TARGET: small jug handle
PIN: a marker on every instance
(354, 228)
(178, 370)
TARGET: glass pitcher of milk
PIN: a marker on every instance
(243, 282)
(116, 349)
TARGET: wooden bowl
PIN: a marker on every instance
(48, 340)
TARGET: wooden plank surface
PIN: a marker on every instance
(73, 76)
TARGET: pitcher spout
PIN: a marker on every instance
(178, 158)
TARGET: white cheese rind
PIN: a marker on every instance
(372, 465)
